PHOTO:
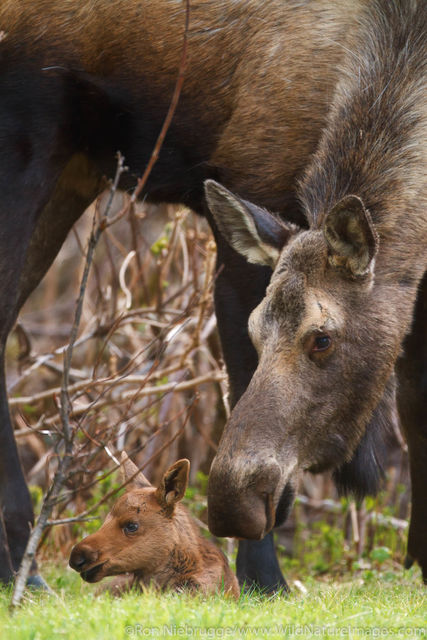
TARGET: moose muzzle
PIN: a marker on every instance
(84, 559)
(242, 496)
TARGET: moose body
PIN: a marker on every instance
(82, 80)
(149, 535)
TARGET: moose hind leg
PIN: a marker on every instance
(16, 515)
(412, 394)
(77, 186)
(15, 503)
(26, 184)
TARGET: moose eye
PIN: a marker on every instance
(318, 346)
(130, 527)
(321, 343)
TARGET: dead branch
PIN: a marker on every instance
(85, 385)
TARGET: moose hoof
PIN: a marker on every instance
(279, 588)
(37, 583)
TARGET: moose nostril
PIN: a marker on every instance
(77, 560)
(80, 557)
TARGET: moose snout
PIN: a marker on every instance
(82, 556)
(242, 497)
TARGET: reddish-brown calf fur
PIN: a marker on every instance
(150, 535)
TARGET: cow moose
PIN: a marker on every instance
(264, 84)
(345, 311)
(153, 537)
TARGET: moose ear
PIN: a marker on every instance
(129, 469)
(351, 236)
(173, 485)
(252, 231)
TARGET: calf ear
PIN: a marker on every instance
(129, 469)
(351, 237)
(252, 231)
(174, 483)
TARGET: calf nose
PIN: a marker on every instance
(82, 556)
(241, 498)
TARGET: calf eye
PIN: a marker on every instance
(321, 343)
(130, 527)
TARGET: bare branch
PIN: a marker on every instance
(67, 431)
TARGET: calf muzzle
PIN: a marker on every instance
(84, 560)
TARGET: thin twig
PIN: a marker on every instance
(65, 410)
(84, 385)
(53, 523)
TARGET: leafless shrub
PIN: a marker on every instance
(146, 354)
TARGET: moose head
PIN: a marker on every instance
(326, 343)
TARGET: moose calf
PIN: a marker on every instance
(150, 535)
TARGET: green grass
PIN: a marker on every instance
(379, 604)
(335, 593)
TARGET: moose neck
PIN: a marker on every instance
(374, 143)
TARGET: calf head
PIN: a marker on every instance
(138, 534)
(326, 343)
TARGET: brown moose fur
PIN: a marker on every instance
(165, 550)
(130, 51)
(343, 296)
(81, 79)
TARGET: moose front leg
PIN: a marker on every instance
(412, 393)
(239, 288)
(257, 566)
